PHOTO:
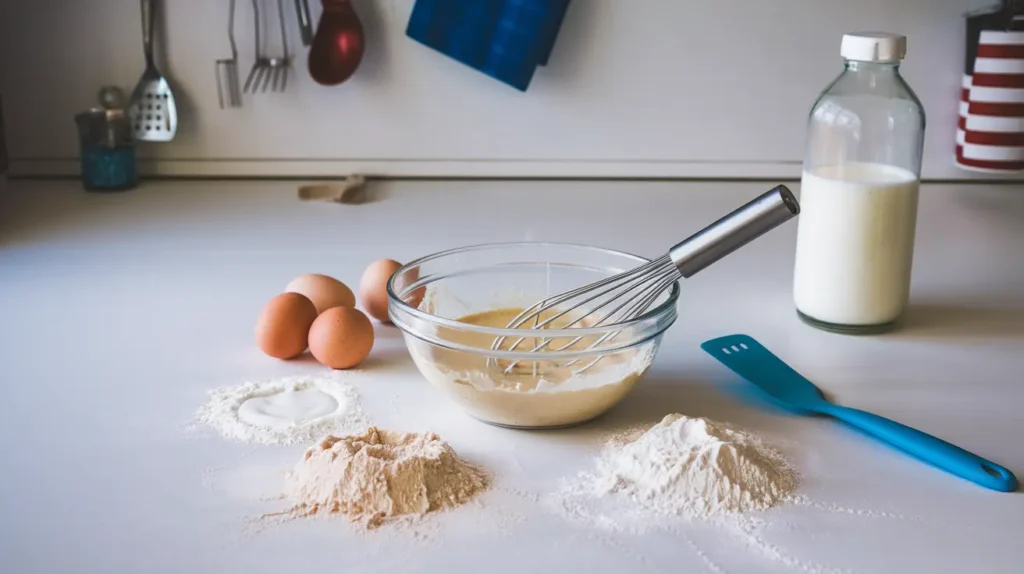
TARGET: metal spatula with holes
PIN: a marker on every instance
(750, 360)
(153, 112)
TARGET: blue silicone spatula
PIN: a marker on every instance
(750, 360)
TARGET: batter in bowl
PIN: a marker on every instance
(537, 393)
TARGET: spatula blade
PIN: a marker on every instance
(752, 361)
(153, 112)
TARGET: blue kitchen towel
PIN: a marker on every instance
(552, 26)
(505, 39)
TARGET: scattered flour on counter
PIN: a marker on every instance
(381, 476)
(750, 531)
(289, 410)
(688, 477)
(688, 467)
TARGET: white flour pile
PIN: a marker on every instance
(381, 475)
(283, 411)
(689, 467)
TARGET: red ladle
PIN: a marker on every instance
(338, 44)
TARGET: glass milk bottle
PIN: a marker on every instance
(855, 239)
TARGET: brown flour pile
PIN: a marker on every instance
(379, 475)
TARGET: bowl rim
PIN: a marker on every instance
(667, 307)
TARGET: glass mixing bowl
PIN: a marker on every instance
(453, 306)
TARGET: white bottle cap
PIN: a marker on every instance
(873, 47)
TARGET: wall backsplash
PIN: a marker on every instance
(637, 88)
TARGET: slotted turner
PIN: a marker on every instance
(153, 113)
(750, 360)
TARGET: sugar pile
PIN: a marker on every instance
(381, 475)
(689, 467)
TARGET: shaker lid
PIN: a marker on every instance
(873, 47)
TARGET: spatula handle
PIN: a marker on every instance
(928, 448)
(146, 8)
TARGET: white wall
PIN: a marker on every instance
(634, 87)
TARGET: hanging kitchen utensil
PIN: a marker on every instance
(268, 71)
(338, 45)
(280, 65)
(305, 22)
(229, 91)
(153, 113)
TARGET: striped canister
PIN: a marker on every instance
(990, 135)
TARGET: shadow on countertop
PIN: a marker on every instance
(937, 320)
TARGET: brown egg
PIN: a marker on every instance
(324, 291)
(282, 328)
(341, 337)
(373, 287)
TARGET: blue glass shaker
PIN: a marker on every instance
(106, 145)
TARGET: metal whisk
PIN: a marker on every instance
(629, 294)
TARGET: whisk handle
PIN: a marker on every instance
(761, 215)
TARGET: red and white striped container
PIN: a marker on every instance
(990, 136)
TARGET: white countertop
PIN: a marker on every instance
(119, 311)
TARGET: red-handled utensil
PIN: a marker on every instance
(338, 44)
(305, 22)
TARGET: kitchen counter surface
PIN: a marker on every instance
(120, 311)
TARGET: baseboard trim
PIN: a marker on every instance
(424, 168)
(463, 169)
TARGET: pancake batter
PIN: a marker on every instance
(535, 394)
